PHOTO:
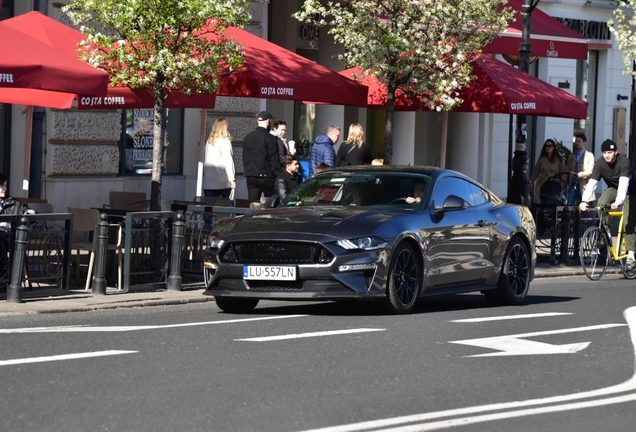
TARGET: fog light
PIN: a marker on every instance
(356, 267)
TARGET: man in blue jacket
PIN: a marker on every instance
(323, 151)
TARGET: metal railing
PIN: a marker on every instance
(35, 250)
(34, 253)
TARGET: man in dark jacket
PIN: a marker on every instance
(289, 179)
(261, 163)
(323, 151)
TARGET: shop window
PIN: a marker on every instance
(137, 141)
(304, 128)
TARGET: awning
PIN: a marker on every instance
(62, 40)
(273, 72)
(549, 37)
(116, 98)
(28, 63)
(497, 88)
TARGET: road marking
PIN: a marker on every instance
(64, 357)
(86, 329)
(385, 424)
(516, 345)
(510, 317)
(308, 335)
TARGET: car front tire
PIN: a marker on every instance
(405, 278)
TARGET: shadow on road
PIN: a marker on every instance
(445, 303)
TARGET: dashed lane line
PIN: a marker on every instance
(88, 329)
(64, 357)
(308, 335)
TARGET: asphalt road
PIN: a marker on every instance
(563, 362)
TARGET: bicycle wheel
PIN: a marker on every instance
(594, 253)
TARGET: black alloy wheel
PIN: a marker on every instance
(404, 280)
(514, 280)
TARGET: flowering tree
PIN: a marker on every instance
(423, 47)
(159, 45)
(623, 27)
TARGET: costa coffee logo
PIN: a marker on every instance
(552, 52)
(6, 77)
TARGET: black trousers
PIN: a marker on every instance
(258, 185)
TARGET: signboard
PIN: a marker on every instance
(139, 130)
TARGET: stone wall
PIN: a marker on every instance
(85, 143)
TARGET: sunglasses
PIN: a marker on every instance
(549, 146)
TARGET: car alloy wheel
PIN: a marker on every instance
(404, 280)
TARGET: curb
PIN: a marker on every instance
(126, 304)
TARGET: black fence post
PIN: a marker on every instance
(178, 231)
(14, 290)
(99, 281)
(565, 236)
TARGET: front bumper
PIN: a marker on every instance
(352, 275)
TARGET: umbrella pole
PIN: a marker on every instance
(204, 117)
(28, 111)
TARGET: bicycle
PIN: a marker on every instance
(596, 246)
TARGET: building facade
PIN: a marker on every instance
(77, 157)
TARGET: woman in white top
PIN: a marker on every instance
(218, 167)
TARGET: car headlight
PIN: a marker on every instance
(214, 241)
(365, 243)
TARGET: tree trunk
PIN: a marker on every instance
(157, 147)
(388, 126)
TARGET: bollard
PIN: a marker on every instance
(178, 231)
(577, 232)
(99, 279)
(565, 236)
(14, 290)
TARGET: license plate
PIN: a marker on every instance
(285, 273)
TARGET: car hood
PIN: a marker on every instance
(337, 222)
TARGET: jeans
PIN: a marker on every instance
(258, 185)
(223, 193)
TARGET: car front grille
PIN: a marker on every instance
(276, 253)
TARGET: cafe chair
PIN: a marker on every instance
(84, 224)
(129, 201)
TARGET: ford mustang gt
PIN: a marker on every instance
(392, 234)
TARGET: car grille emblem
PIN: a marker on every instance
(273, 250)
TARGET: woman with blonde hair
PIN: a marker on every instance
(218, 165)
(354, 151)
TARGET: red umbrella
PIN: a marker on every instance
(273, 72)
(65, 39)
(497, 88)
(549, 37)
(29, 63)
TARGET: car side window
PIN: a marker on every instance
(479, 195)
(453, 186)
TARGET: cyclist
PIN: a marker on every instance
(615, 169)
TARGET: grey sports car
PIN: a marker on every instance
(393, 234)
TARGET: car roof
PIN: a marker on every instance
(411, 169)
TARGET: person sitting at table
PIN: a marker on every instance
(10, 205)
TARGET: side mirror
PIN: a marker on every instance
(453, 202)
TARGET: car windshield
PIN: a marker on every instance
(361, 189)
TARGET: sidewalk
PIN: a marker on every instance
(83, 301)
